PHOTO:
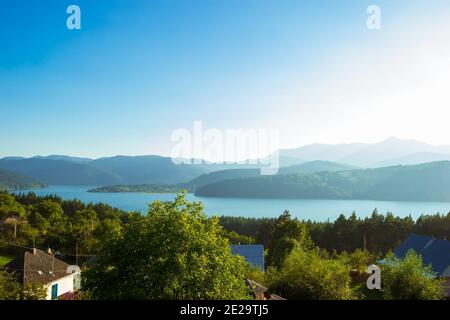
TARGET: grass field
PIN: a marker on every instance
(5, 259)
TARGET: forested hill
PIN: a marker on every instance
(424, 182)
(307, 167)
(213, 177)
(10, 180)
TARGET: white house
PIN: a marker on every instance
(40, 267)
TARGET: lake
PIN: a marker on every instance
(318, 210)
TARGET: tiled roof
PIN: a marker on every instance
(261, 292)
(433, 251)
(253, 254)
(41, 267)
(38, 267)
(9, 220)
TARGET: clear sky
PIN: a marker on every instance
(137, 70)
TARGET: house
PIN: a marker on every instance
(59, 278)
(260, 292)
(10, 220)
(252, 253)
(10, 223)
(435, 252)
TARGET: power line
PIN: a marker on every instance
(59, 252)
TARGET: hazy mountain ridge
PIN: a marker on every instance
(415, 158)
(424, 182)
(65, 170)
(59, 172)
(389, 152)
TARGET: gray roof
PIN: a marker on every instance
(38, 267)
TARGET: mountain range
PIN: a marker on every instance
(133, 170)
(65, 170)
(389, 152)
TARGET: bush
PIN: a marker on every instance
(34, 291)
(410, 279)
(306, 275)
(10, 288)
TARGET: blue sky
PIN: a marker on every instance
(137, 70)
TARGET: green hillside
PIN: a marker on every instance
(10, 180)
(140, 188)
(307, 167)
(218, 176)
(425, 182)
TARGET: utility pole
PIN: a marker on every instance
(15, 230)
(76, 253)
(364, 241)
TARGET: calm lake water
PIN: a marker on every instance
(318, 210)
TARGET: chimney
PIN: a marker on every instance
(34, 250)
(49, 251)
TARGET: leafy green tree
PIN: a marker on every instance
(107, 229)
(10, 288)
(236, 238)
(27, 233)
(410, 279)
(306, 275)
(38, 222)
(9, 206)
(287, 234)
(358, 260)
(81, 229)
(255, 274)
(175, 252)
(34, 291)
(50, 210)
(48, 217)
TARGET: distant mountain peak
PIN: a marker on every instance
(407, 141)
(394, 138)
(392, 151)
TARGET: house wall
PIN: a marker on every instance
(65, 285)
